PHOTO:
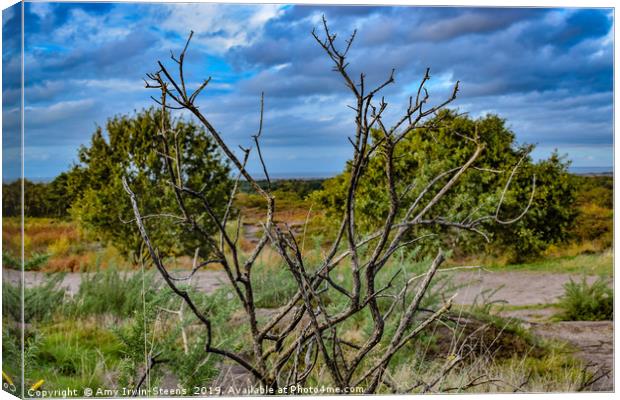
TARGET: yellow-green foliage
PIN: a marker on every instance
(60, 247)
(594, 221)
(556, 371)
(39, 234)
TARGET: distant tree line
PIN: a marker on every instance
(301, 187)
(564, 206)
(41, 199)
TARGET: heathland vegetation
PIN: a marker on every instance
(95, 337)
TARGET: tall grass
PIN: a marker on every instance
(40, 302)
(556, 371)
(273, 286)
(71, 353)
(114, 292)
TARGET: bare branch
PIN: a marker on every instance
(303, 338)
(257, 136)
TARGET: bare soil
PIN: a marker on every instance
(514, 288)
(208, 281)
(517, 288)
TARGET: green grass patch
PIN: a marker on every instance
(72, 353)
(273, 286)
(589, 264)
(510, 307)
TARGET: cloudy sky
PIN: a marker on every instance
(549, 72)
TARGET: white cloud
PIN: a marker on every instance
(82, 26)
(41, 10)
(219, 27)
(63, 110)
(113, 84)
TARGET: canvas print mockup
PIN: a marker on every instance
(282, 199)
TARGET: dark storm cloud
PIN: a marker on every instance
(549, 72)
(494, 63)
(579, 26)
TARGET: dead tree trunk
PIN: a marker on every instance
(310, 338)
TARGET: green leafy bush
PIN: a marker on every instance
(36, 261)
(129, 148)
(426, 154)
(584, 302)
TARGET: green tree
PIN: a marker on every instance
(130, 149)
(60, 195)
(444, 145)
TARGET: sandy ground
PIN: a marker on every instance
(207, 281)
(593, 341)
(515, 288)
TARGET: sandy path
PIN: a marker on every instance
(207, 281)
(593, 340)
(514, 287)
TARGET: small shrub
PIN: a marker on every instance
(584, 302)
(9, 261)
(36, 262)
(60, 247)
